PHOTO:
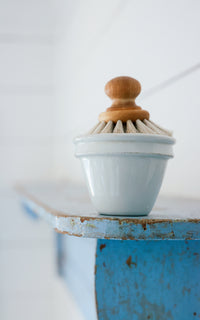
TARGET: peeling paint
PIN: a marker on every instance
(180, 220)
(153, 310)
(129, 262)
(185, 289)
(72, 222)
(102, 246)
(89, 225)
(148, 291)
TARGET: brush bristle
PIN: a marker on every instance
(145, 127)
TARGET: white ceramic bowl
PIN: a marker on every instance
(124, 172)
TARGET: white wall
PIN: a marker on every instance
(29, 284)
(152, 41)
(26, 90)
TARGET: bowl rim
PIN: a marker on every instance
(141, 137)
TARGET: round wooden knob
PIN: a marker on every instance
(122, 88)
(123, 91)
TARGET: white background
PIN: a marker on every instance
(55, 58)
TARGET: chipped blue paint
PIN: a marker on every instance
(29, 211)
(61, 254)
(153, 280)
(78, 261)
(136, 280)
(137, 228)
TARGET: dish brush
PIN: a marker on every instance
(124, 116)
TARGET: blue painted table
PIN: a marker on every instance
(124, 268)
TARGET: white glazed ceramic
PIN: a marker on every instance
(124, 172)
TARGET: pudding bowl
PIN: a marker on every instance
(124, 172)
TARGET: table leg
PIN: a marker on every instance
(154, 280)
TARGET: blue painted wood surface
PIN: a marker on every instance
(29, 210)
(76, 262)
(153, 280)
(68, 209)
(143, 278)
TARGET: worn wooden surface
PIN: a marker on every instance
(116, 279)
(132, 280)
(76, 265)
(68, 209)
(148, 280)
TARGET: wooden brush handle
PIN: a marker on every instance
(123, 91)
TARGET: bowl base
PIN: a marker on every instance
(124, 214)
